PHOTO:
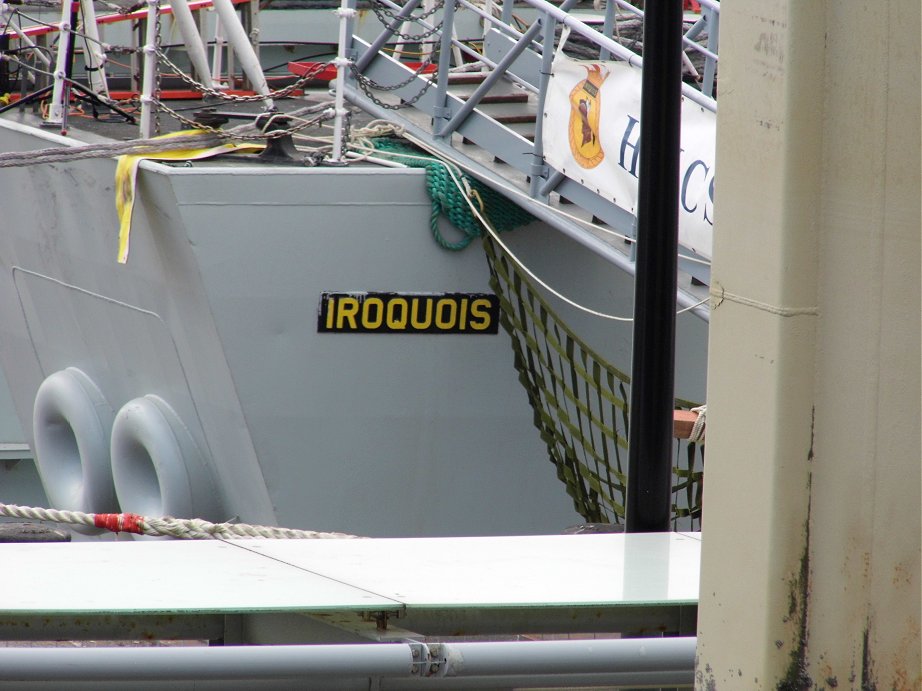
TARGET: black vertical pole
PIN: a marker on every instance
(653, 369)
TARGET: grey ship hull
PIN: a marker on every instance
(215, 315)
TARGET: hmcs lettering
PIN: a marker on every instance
(696, 190)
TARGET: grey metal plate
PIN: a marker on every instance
(154, 577)
(151, 577)
(521, 571)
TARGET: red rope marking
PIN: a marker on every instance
(119, 522)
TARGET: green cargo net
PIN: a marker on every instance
(580, 404)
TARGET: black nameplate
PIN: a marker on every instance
(408, 313)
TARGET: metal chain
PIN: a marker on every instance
(217, 93)
(379, 8)
(368, 86)
(188, 122)
(390, 87)
(386, 16)
(157, 72)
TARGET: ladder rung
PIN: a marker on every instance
(515, 119)
(500, 98)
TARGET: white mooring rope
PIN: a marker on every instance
(184, 528)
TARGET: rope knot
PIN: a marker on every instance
(697, 432)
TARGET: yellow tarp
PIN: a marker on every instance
(127, 171)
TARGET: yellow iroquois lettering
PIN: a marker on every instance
(414, 313)
(442, 320)
(368, 321)
(462, 319)
(397, 320)
(373, 312)
(331, 309)
(348, 309)
(480, 315)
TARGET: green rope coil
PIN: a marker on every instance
(447, 199)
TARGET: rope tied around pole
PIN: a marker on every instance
(167, 526)
(697, 432)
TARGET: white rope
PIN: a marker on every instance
(183, 528)
(14, 159)
(697, 431)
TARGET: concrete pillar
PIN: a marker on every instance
(813, 486)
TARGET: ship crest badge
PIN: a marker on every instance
(585, 106)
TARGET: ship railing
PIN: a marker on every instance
(235, 26)
(520, 53)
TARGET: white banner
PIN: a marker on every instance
(592, 135)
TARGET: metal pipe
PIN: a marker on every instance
(535, 681)
(471, 7)
(238, 39)
(195, 48)
(710, 66)
(194, 663)
(551, 183)
(441, 111)
(36, 51)
(94, 56)
(608, 27)
(538, 169)
(216, 56)
(149, 79)
(505, 683)
(346, 13)
(667, 661)
(649, 482)
(696, 28)
(595, 656)
(58, 107)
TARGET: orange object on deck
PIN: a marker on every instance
(683, 423)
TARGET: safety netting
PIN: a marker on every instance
(580, 404)
(580, 401)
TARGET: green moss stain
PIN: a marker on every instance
(796, 677)
(867, 663)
